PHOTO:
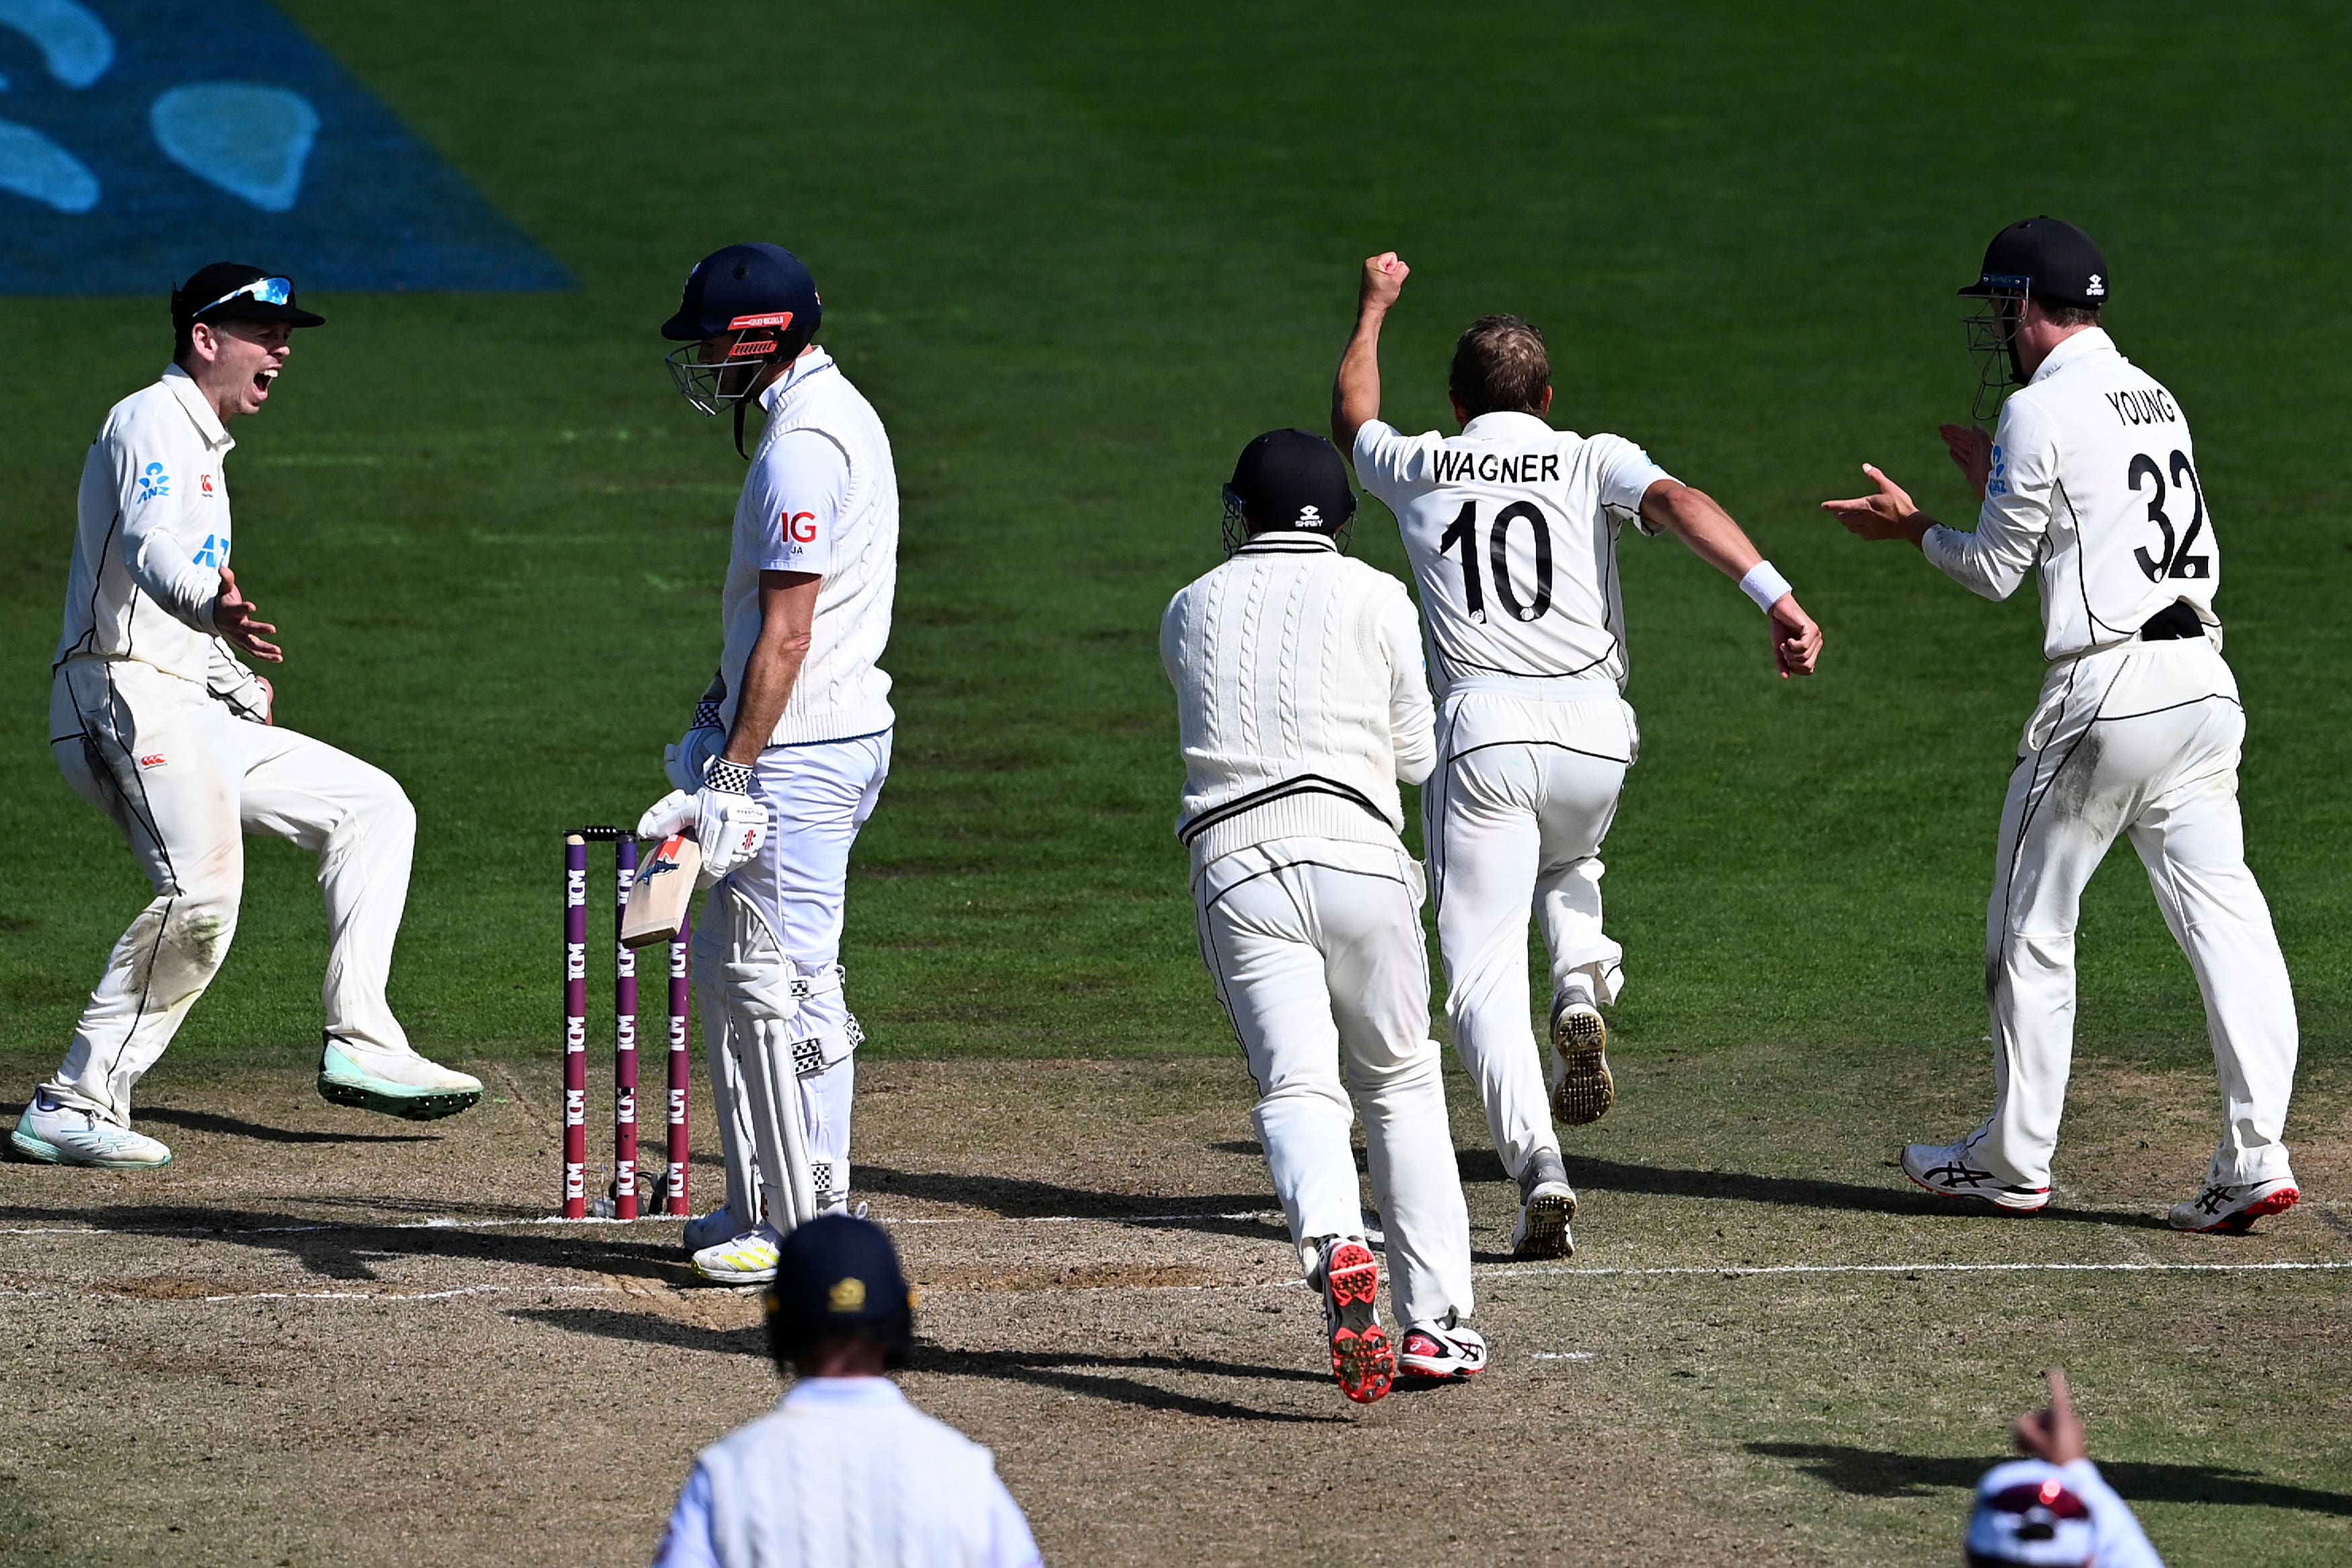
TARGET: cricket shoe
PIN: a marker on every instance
(1581, 1089)
(1547, 1203)
(1362, 1357)
(1446, 1351)
(57, 1133)
(1945, 1170)
(396, 1082)
(2223, 1210)
(749, 1258)
(710, 1230)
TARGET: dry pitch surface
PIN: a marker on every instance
(326, 1337)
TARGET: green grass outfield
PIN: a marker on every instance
(1078, 255)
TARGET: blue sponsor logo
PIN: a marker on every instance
(213, 552)
(1997, 482)
(140, 139)
(153, 484)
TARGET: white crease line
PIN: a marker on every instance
(1562, 1355)
(1742, 1271)
(452, 1222)
(319, 1295)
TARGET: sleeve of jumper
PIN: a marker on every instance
(2015, 517)
(2115, 1530)
(1411, 723)
(148, 498)
(686, 1543)
(1010, 1544)
(1623, 474)
(1388, 463)
(801, 483)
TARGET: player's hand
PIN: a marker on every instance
(1971, 451)
(1384, 278)
(237, 618)
(1796, 639)
(2054, 1435)
(1884, 516)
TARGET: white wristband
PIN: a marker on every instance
(1764, 584)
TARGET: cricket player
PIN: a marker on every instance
(1512, 531)
(155, 720)
(2090, 481)
(1300, 702)
(843, 1472)
(789, 747)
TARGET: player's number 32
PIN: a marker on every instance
(2171, 560)
(1463, 532)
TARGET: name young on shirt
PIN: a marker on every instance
(1456, 467)
(2150, 407)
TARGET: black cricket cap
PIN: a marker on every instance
(2047, 257)
(743, 285)
(1293, 479)
(839, 1275)
(224, 291)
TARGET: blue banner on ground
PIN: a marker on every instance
(141, 139)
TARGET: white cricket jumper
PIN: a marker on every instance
(2094, 485)
(1512, 528)
(1300, 704)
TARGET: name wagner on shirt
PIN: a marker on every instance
(1456, 467)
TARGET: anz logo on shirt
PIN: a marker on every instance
(1997, 480)
(213, 552)
(153, 484)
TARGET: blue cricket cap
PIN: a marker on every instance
(749, 286)
(839, 1275)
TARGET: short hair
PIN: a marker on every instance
(183, 342)
(1500, 365)
(2068, 315)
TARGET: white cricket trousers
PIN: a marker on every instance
(2140, 740)
(186, 779)
(1525, 790)
(778, 918)
(1316, 948)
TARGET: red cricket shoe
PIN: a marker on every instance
(1362, 1357)
(1444, 1350)
(2232, 1210)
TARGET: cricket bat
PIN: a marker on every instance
(665, 886)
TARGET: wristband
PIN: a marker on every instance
(727, 778)
(1764, 584)
(706, 716)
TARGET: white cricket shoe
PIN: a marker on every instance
(1950, 1170)
(2231, 1210)
(57, 1133)
(1581, 1089)
(749, 1258)
(1547, 1203)
(1443, 1350)
(396, 1082)
(710, 1230)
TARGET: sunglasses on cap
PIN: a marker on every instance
(262, 290)
(2046, 1495)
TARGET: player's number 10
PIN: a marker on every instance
(1463, 531)
(2171, 560)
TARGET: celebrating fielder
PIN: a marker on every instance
(156, 721)
(1512, 528)
(2090, 480)
(1301, 702)
(788, 748)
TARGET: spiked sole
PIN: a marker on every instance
(1362, 1357)
(1542, 1230)
(428, 1106)
(2243, 1220)
(1585, 1091)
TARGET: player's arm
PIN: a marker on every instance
(1355, 390)
(149, 498)
(1692, 516)
(787, 613)
(2015, 472)
(1412, 729)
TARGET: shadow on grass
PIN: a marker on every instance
(1868, 1472)
(1018, 1199)
(236, 1127)
(1096, 1376)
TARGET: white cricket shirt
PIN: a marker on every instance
(822, 497)
(2094, 482)
(1300, 699)
(151, 535)
(1511, 528)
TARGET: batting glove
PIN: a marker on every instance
(690, 759)
(725, 820)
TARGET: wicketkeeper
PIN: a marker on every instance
(1301, 703)
(789, 746)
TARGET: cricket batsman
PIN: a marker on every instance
(788, 747)
(1512, 528)
(155, 720)
(2089, 480)
(1300, 704)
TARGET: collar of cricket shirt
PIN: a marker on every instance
(200, 409)
(1286, 541)
(1505, 424)
(839, 1393)
(2081, 345)
(807, 365)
